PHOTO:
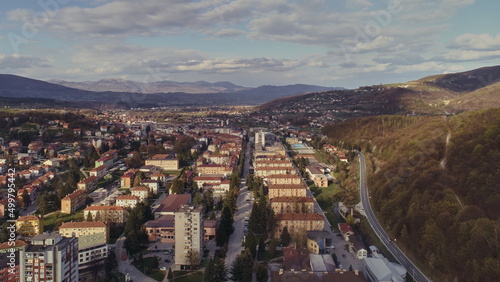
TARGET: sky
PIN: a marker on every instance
(337, 43)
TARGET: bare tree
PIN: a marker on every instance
(193, 259)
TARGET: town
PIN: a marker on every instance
(206, 196)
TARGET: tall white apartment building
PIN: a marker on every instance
(188, 235)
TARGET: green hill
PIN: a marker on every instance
(434, 185)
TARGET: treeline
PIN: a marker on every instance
(434, 185)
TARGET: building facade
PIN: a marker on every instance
(73, 201)
(188, 234)
(30, 225)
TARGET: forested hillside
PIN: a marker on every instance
(434, 183)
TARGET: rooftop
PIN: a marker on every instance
(173, 201)
(82, 224)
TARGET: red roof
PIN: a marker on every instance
(299, 216)
(344, 228)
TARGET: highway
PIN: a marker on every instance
(411, 268)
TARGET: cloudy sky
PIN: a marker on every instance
(347, 43)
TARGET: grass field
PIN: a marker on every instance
(185, 276)
(50, 221)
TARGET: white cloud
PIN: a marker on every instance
(356, 4)
(476, 42)
(17, 61)
(382, 43)
(470, 55)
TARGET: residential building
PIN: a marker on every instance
(278, 179)
(209, 229)
(29, 225)
(50, 257)
(88, 184)
(274, 170)
(99, 171)
(171, 204)
(291, 204)
(287, 190)
(127, 179)
(188, 234)
(317, 241)
(92, 256)
(296, 222)
(213, 169)
(10, 254)
(140, 192)
(153, 185)
(73, 201)
(106, 160)
(106, 213)
(82, 228)
(164, 161)
(346, 230)
(127, 201)
(161, 229)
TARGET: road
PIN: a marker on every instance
(244, 209)
(125, 266)
(411, 268)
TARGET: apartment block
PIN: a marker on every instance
(73, 201)
(29, 225)
(50, 257)
(82, 228)
(188, 234)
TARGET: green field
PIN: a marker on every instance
(52, 220)
(185, 276)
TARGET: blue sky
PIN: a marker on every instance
(347, 43)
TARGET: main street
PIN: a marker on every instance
(411, 268)
(244, 209)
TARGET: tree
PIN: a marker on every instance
(26, 198)
(272, 247)
(215, 271)
(285, 237)
(241, 269)
(89, 217)
(139, 176)
(111, 263)
(260, 270)
(155, 264)
(177, 187)
(251, 243)
(170, 274)
(193, 259)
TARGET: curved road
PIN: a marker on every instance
(384, 238)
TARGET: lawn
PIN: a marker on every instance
(185, 276)
(52, 220)
(144, 264)
(325, 196)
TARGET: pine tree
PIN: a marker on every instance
(285, 237)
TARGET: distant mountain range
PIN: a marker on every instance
(166, 86)
(126, 93)
(437, 94)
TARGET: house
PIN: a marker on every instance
(346, 230)
(73, 201)
(209, 229)
(127, 201)
(4, 206)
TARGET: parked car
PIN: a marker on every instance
(163, 268)
(343, 255)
